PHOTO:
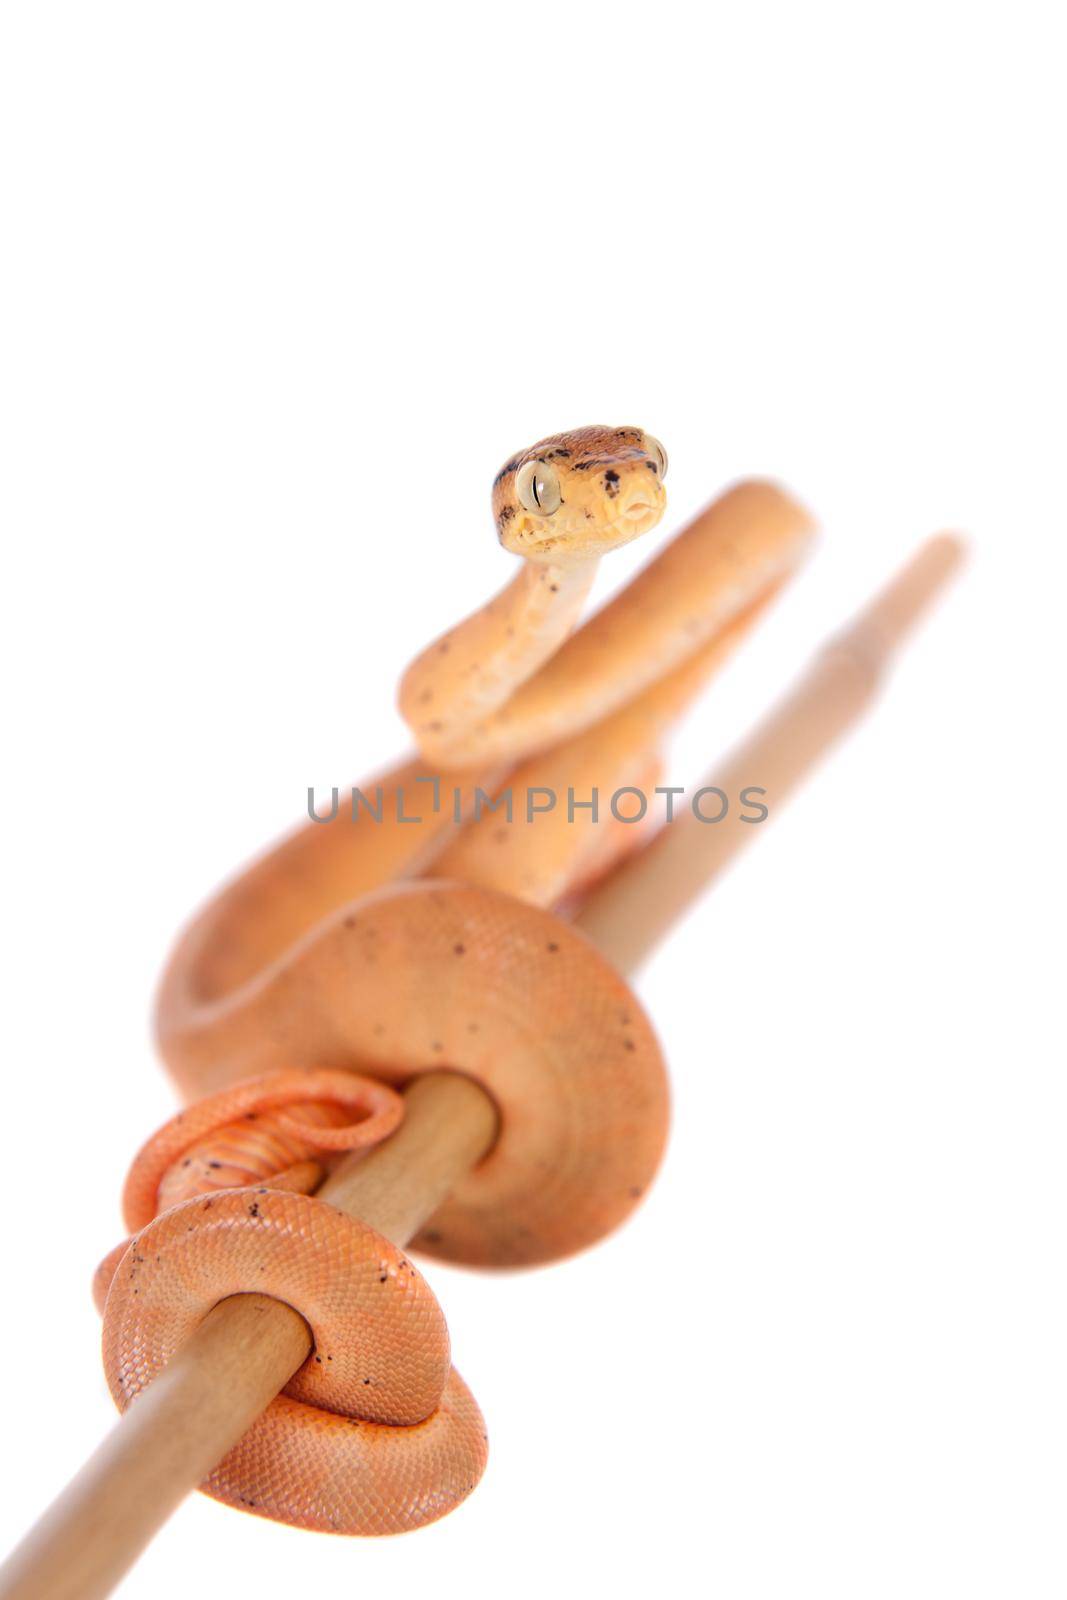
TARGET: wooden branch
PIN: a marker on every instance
(249, 1346)
(628, 915)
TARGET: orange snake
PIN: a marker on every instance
(389, 950)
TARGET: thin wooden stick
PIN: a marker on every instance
(630, 912)
(248, 1347)
(244, 1351)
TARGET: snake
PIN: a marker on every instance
(352, 957)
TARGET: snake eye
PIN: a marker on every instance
(653, 448)
(537, 487)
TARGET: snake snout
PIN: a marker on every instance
(638, 504)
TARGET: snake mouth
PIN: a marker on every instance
(616, 523)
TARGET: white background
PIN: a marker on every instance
(282, 287)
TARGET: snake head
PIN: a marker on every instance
(576, 495)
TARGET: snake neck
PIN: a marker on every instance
(472, 671)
